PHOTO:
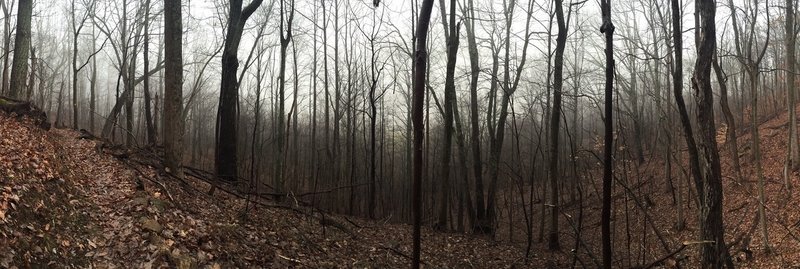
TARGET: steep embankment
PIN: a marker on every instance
(64, 202)
(646, 203)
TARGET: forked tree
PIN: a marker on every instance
(227, 115)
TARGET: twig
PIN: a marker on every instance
(332, 190)
(290, 259)
(160, 185)
(400, 253)
(662, 259)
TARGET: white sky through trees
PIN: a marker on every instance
(204, 23)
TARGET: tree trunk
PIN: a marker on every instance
(449, 101)
(76, 31)
(148, 116)
(6, 44)
(173, 87)
(93, 86)
(751, 61)
(226, 129)
(791, 79)
(22, 46)
(281, 133)
(607, 28)
(420, 59)
(733, 144)
(555, 121)
(756, 150)
(475, 134)
(57, 122)
(714, 255)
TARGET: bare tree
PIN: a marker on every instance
(607, 28)
(451, 34)
(226, 151)
(420, 59)
(375, 70)
(558, 82)
(77, 26)
(173, 87)
(750, 58)
(732, 141)
(7, 6)
(285, 39)
(793, 150)
(148, 116)
(475, 132)
(714, 255)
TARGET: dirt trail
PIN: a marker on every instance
(107, 191)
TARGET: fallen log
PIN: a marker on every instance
(20, 108)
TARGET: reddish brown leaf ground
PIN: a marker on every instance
(65, 204)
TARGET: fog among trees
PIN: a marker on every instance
(612, 133)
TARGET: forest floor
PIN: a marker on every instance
(66, 204)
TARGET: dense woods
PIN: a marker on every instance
(611, 134)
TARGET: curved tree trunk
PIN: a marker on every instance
(226, 152)
(714, 255)
(733, 144)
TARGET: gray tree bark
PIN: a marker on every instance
(22, 46)
(173, 87)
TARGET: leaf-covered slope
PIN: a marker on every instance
(66, 203)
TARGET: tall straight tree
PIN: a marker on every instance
(607, 28)
(148, 116)
(714, 255)
(93, 84)
(227, 114)
(475, 131)
(451, 34)
(7, 7)
(281, 135)
(791, 78)
(22, 46)
(420, 64)
(77, 26)
(173, 85)
(555, 114)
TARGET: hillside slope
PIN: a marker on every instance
(645, 209)
(66, 204)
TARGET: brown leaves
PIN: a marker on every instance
(94, 213)
(8, 200)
